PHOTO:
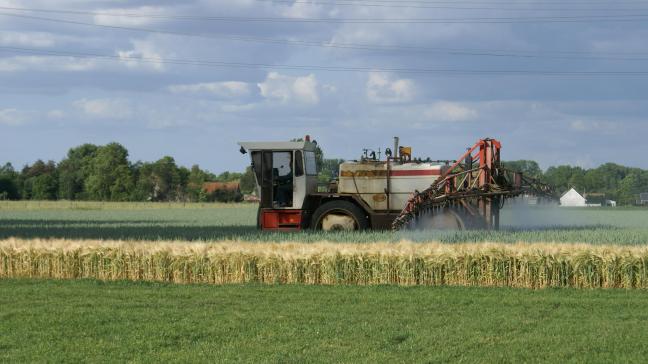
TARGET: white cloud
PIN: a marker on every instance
(230, 108)
(581, 125)
(55, 114)
(227, 89)
(449, 111)
(12, 117)
(14, 64)
(427, 35)
(106, 108)
(128, 16)
(220, 5)
(383, 88)
(31, 39)
(329, 88)
(578, 125)
(145, 50)
(286, 88)
(303, 10)
(46, 63)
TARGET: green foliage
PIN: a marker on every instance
(104, 173)
(565, 177)
(166, 179)
(44, 187)
(631, 186)
(144, 184)
(228, 177)
(9, 183)
(619, 183)
(39, 181)
(528, 168)
(248, 181)
(74, 170)
(162, 181)
(195, 180)
(110, 177)
(330, 169)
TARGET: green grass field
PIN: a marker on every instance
(89, 321)
(93, 321)
(153, 221)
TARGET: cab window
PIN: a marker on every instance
(299, 163)
(311, 165)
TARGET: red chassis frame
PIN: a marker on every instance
(281, 220)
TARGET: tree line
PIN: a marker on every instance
(104, 173)
(609, 181)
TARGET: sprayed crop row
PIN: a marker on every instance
(405, 263)
(237, 222)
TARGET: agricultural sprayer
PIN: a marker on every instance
(395, 192)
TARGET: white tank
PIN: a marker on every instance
(369, 180)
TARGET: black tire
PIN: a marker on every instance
(340, 206)
(259, 218)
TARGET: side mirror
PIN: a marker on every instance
(242, 150)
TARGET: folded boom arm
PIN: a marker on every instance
(471, 192)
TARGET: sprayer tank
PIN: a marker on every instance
(386, 185)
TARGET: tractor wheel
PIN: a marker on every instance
(444, 219)
(339, 215)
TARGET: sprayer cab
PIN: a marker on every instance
(285, 172)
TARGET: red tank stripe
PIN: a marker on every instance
(416, 172)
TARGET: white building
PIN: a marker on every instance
(643, 199)
(572, 198)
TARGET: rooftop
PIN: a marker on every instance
(210, 187)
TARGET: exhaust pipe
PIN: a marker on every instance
(396, 151)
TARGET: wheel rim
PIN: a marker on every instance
(337, 220)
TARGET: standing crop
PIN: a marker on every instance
(404, 263)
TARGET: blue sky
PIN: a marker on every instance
(53, 98)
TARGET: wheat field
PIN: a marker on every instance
(404, 263)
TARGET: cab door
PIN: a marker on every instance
(282, 179)
(299, 184)
(275, 178)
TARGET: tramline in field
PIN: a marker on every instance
(395, 193)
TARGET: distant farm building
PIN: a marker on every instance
(643, 198)
(223, 191)
(572, 198)
(211, 187)
(595, 199)
(251, 198)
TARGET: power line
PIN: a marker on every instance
(369, 47)
(479, 2)
(221, 64)
(440, 5)
(475, 20)
(498, 2)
